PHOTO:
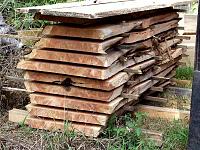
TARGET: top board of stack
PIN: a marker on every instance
(96, 59)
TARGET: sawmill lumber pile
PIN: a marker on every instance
(84, 71)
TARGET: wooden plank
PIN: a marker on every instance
(64, 5)
(101, 32)
(53, 100)
(164, 45)
(115, 19)
(159, 19)
(151, 73)
(155, 99)
(77, 103)
(156, 89)
(77, 45)
(140, 88)
(190, 23)
(170, 63)
(178, 52)
(56, 125)
(149, 32)
(65, 114)
(156, 136)
(106, 31)
(74, 91)
(150, 83)
(163, 112)
(109, 84)
(84, 58)
(86, 10)
(160, 78)
(82, 71)
(101, 47)
(17, 115)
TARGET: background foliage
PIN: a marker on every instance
(23, 21)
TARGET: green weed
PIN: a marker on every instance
(176, 136)
(126, 133)
(24, 21)
(184, 73)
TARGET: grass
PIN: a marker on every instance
(128, 134)
(176, 136)
(122, 133)
(184, 73)
(175, 132)
(174, 101)
(184, 76)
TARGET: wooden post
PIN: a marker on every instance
(194, 129)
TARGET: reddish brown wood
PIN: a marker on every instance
(92, 32)
(70, 115)
(76, 103)
(88, 59)
(149, 32)
(82, 71)
(109, 84)
(73, 91)
(107, 30)
(77, 45)
(55, 125)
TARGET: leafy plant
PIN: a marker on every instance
(126, 133)
(24, 21)
(176, 136)
(184, 73)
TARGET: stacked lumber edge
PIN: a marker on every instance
(86, 73)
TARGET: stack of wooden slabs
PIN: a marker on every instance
(84, 74)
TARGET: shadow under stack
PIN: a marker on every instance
(84, 72)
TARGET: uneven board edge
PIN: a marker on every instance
(164, 112)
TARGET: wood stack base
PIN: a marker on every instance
(79, 76)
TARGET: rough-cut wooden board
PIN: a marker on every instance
(155, 99)
(149, 32)
(147, 75)
(101, 32)
(70, 115)
(101, 47)
(86, 10)
(77, 45)
(64, 5)
(149, 83)
(94, 59)
(73, 91)
(17, 115)
(164, 45)
(190, 23)
(105, 31)
(85, 58)
(177, 52)
(163, 112)
(76, 103)
(109, 84)
(55, 125)
(82, 71)
(115, 19)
